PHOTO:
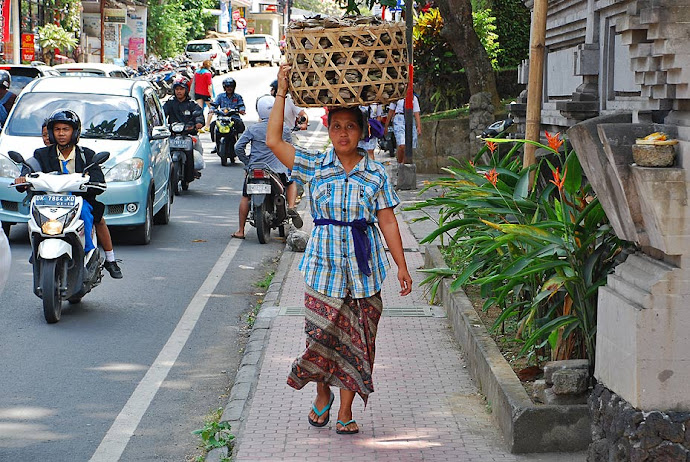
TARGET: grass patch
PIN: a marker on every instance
(450, 114)
(214, 434)
(266, 281)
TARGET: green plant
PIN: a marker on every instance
(215, 434)
(538, 253)
(266, 281)
(52, 36)
(485, 28)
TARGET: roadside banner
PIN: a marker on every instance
(28, 49)
(5, 20)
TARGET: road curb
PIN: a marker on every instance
(247, 376)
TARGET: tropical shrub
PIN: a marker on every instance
(52, 36)
(538, 253)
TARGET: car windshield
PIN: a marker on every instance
(102, 116)
(198, 47)
(255, 40)
(21, 76)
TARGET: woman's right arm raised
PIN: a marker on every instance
(284, 151)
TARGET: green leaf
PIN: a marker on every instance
(573, 173)
(522, 187)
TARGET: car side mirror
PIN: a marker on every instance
(160, 133)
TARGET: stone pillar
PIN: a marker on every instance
(481, 116)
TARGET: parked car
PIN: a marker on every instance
(22, 74)
(263, 49)
(233, 54)
(124, 118)
(91, 69)
(201, 50)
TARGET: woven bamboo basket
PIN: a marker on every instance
(347, 66)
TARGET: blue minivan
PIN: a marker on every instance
(121, 116)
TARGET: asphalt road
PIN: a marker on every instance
(132, 370)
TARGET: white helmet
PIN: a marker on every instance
(264, 105)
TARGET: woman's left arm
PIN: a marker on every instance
(389, 227)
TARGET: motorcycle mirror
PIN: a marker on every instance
(16, 157)
(97, 159)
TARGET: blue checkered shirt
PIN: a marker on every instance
(329, 264)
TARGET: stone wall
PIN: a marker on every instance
(621, 433)
(440, 140)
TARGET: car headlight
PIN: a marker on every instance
(8, 169)
(129, 170)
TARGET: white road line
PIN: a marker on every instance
(116, 439)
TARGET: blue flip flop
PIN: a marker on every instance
(326, 408)
(345, 424)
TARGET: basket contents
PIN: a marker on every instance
(350, 61)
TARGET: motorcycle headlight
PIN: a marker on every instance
(8, 169)
(53, 227)
(224, 128)
(129, 170)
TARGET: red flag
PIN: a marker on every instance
(409, 97)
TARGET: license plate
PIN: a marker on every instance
(253, 50)
(258, 188)
(55, 201)
(181, 143)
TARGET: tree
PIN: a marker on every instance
(459, 31)
(52, 36)
(171, 24)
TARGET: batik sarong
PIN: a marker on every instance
(341, 342)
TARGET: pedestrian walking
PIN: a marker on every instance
(396, 113)
(373, 112)
(345, 261)
(203, 90)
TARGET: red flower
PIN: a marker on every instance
(558, 180)
(492, 176)
(492, 146)
(554, 141)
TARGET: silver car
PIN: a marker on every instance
(263, 49)
(209, 49)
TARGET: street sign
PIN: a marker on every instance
(241, 23)
(236, 15)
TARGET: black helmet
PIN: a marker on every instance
(229, 82)
(5, 79)
(181, 82)
(65, 116)
(274, 85)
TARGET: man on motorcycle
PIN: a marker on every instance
(230, 100)
(64, 156)
(260, 156)
(182, 109)
(293, 114)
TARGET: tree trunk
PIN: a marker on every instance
(459, 30)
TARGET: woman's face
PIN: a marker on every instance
(344, 131)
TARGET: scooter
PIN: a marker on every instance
(62, 269)
(183, 146)
(268, 204)
(225, 134)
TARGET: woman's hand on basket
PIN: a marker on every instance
(283, 75)
(405, 281)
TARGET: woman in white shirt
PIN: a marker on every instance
(397, 110)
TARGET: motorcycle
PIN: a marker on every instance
(268, 204)
(225, 134)
(182, 144)
(62, 269)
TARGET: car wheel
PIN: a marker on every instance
(142, 233)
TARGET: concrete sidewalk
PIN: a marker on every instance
(426, 406)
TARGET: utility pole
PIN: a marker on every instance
(16, 32)
(535, 82)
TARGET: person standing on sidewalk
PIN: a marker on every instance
(349, 194)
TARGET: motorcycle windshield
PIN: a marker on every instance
(103, 116)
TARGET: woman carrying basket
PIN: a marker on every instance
(345, 260)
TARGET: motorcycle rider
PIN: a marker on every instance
(260, 155)
(293, 113)
(7, 98)
(231, 100)
(65, 156)
(182, 109)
